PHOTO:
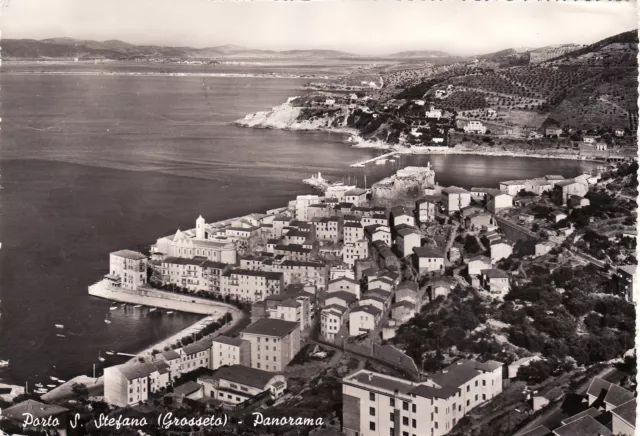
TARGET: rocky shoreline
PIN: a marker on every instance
(286, 117)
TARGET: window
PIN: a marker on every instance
(405, 420)
(459, 408)
(476, 397)
(372, 411)
(372, 397)
(413, 423)
(405, 405)
(413, 408)
(468, 388)
(405, 433)
(392, 402)
(484, 397)
(484, 382)
(436, 409)
(468, 401)
(476, 383)
(391, 416)
(392, 431)
(436, 424)
(372, 426)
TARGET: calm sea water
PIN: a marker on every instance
(93, 164)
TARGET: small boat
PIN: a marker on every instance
(52, 386)
(138, 305)
(4, 363)
(59, 326)
(170, 312)
(54, 378)
(110, 352)
(107, 321)
(100, 358)
(60, 336)
(61, 381)
(113, 307)
(152, 309)
(41, 391)
(39, 385)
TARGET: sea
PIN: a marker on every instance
(93, 163)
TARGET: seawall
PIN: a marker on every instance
(163, 300)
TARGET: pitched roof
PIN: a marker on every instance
(454, 190)
(427, 252)
(456, 374)
(405, 230)
(271, 327)
(129, 254)
(33, 407)
(585, 426)
(408, 285)
(540, 430)
(187, 388)
(494, 273)
(626, 412)
(343, 295)
(371, 310)
(244, 375)
(197, 347)
(266, 274)
(170, 354)
(617, 396)
(591, 411)
(597, 385)
(344, 279)
(480, 258)
(355, 192)
(566, 183)
(236, 342)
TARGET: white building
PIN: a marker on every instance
(475, 127)
(376, 404)
(455, 199)
(363, 319)
(274, 343)
(229, 351)
(301, 204)
(356, 196)
(353, 251)
(428, 260)
(127, 269)
(131, 384)
(344, 284)
(353, 232)
(331, 320)
(500, 249)
(236, 384)
(433, 113)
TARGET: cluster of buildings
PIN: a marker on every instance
(608, 410)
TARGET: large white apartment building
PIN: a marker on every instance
(229, 351)
(195, 274)
(248, 285)
(131, 384)
(302, 202)
(127, 269)
(274, 343)
(376, 404)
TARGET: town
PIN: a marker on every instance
(401, 309)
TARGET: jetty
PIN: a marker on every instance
(382, 156)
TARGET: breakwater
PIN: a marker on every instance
(163, 300)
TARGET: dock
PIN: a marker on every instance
(383, 156)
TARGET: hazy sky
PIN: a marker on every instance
(361, 26)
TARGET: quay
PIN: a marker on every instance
(383, 156)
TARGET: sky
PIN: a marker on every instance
(357, 26)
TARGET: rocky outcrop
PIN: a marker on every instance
(408, 181)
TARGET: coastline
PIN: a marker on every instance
(285, 117)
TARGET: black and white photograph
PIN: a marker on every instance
(318, 218)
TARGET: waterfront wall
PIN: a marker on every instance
(162, 299)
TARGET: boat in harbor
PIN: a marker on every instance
(107, 321)
(52, 386)
(170, 312)
(54, 378)
(39, 385)
(381, 161)
(113, 307)
(61, 381)
(59, 326)
(357, 165)
(60, 336)
(4, 363)
(152, 309)
(100, 358)
(138, 305)
(41, 391)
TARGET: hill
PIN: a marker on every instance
(418, 54)
(65, 48)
